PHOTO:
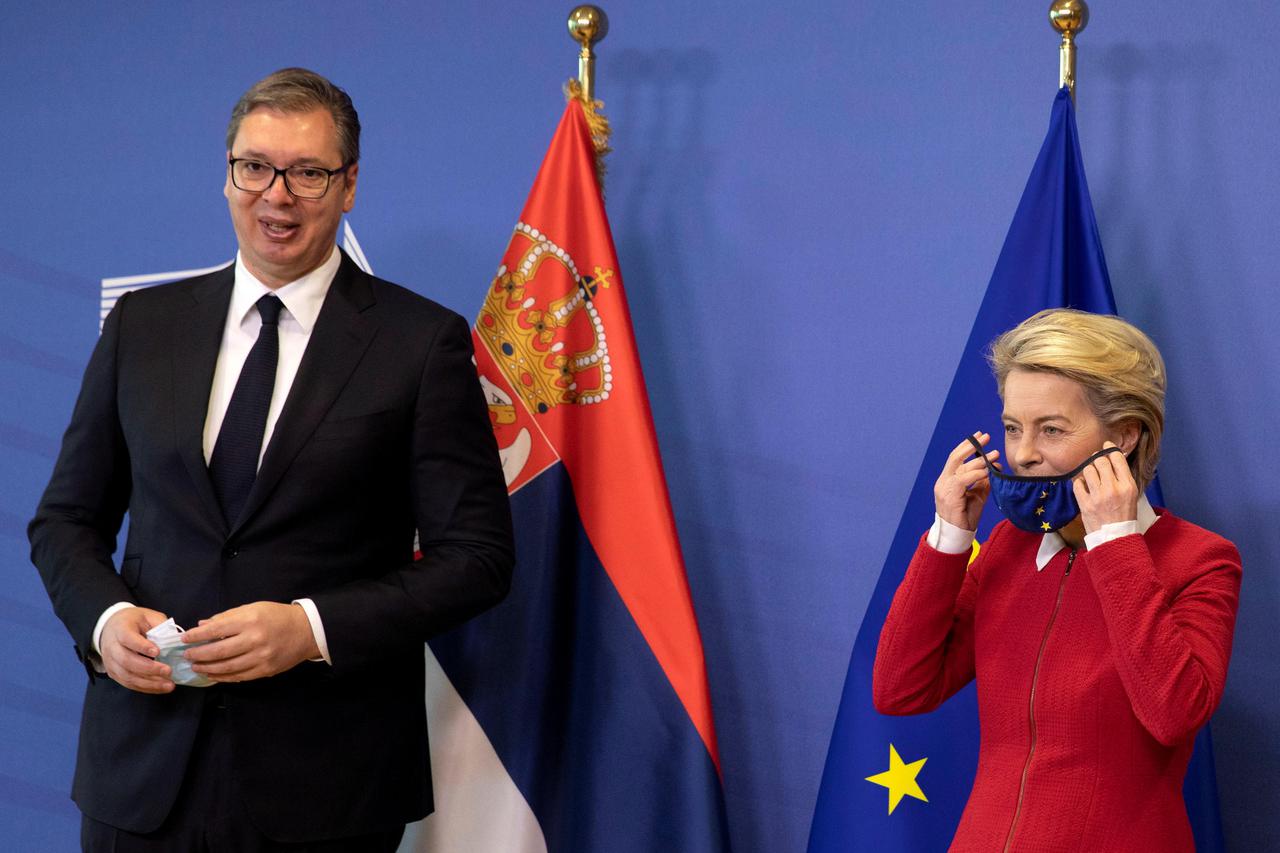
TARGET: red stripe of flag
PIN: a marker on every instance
(555, 339)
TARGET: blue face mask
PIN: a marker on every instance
(1037, 504)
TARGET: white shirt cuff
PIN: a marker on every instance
(96, 651)
(1107, 532)
(946, 538)
(317, 628)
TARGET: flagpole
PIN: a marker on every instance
(1068, 17)
(588, 25)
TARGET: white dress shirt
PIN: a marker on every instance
(302, 302)
(950, 539)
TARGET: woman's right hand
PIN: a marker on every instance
(962, 487)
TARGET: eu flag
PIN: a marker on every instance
(1052, 257)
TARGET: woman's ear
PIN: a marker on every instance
(1125, 434)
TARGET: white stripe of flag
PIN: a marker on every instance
(478, 806)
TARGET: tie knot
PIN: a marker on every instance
(269, 309)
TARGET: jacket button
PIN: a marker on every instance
(230, 551)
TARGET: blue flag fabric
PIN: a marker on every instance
(1052, 257)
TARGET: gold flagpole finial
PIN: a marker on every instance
(1068, 17)
(588, 25)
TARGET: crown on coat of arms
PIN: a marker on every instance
(552, 352)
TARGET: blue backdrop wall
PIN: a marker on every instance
(807, 209)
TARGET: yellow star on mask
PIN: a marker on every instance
(900, 779)
(1044, 525)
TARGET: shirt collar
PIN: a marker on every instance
(302, 298)
(1052, 543)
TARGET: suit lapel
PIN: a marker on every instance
(341, 335)
(197, 336)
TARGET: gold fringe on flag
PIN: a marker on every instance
(596, 122)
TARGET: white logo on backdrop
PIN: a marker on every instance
(114, 288)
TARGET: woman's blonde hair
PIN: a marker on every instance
(1118, 366)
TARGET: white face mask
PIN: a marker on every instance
(168, 638)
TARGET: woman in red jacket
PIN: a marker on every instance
(1098, 628)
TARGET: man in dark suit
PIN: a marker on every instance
(277, 431)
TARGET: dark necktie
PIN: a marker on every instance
(234, 463)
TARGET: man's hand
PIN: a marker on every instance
(1106, 491)
(252, 641)
(127, 653)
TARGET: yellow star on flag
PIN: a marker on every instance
(1044, 525)
(900, 779)
(1039, 510)
(1044, 495)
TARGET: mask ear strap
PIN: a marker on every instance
(1104, 451)
(1094, 457)
(977, 449)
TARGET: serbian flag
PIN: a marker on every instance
(575, 716)
(899, 784)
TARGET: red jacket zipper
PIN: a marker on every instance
(1044, 641)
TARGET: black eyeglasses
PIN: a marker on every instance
(254, 176)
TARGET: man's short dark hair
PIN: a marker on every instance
(296, 90)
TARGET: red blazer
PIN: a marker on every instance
(1094, 676)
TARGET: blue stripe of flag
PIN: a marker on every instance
(574, 701)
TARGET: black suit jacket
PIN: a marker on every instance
(385, 431)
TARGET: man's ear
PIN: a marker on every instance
(349, 187)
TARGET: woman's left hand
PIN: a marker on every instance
(1106, 491)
